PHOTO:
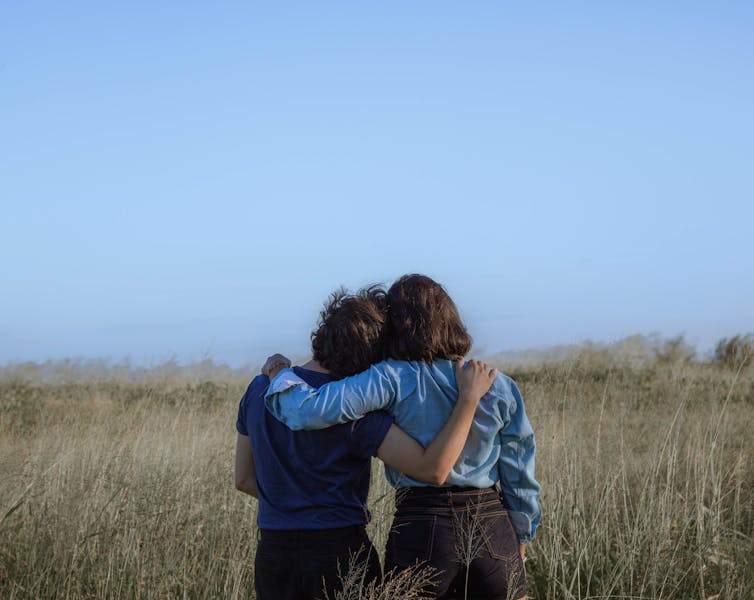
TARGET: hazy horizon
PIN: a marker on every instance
(635, 347)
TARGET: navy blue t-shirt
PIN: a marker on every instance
(310, 479)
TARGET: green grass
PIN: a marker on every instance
(118, 488)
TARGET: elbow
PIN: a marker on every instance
(442, 478)
(246, 486)
(437, 477)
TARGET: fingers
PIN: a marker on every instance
(480, 366)
(482, 372)
(476, 367)
(275, 370)
(276, 361)
(490, 371)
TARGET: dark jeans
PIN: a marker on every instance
(465, 535)
(304, 564)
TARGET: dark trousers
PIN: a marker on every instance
(306, 564)
(465, 535)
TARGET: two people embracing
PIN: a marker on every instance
(388, 378)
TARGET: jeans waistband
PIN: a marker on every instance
(444, 491)
(304, 535)
(429, 501)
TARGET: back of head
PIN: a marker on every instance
(351, 331)
(423, 322)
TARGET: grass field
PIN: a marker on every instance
(123, 488)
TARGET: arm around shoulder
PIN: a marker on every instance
(302, 406)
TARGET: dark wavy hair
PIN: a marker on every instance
(350, 334)
(423, 322)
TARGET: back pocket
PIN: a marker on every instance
(410, 542)
(499, 537)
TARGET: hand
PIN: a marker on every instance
(522, 551)
(474, 378)
(275, 364)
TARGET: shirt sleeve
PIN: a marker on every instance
(301, 406)
(520, 490)
(241, 418)
(367, 434)
(253, 392)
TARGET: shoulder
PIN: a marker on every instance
(403, 375)
(256, 389)
(504, 385)
(400, 368)
(389, 369)
(505, 390)
(390, 365)
(250, 401)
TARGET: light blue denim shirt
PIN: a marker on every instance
(421, 396)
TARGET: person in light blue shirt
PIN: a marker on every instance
(416, 385)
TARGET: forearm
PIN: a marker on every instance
(520, 489)
(301, 406)
(442, 453)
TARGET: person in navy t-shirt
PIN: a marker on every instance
(312, 486)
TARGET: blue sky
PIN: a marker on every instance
(193, 179)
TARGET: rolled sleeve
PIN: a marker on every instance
(520, 489)
(284, 380)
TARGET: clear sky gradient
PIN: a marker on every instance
(193, 178)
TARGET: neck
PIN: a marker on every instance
(313, 365)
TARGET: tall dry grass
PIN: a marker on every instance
(117, 488)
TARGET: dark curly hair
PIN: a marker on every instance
(423, 322)
(351, 331)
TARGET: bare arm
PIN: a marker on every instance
(246, 472)
(434, 463)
